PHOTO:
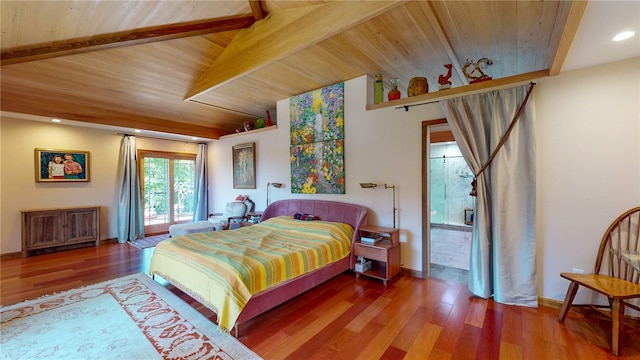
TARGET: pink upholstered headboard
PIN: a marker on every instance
(355, 215)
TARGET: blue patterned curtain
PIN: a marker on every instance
(201, 203)
(130, 217)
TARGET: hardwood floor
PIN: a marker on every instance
(349, 318)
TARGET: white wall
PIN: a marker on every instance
(588, 136)
(19, 190)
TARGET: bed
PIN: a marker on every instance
(216, 268)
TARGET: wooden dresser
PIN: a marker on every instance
(49, 228)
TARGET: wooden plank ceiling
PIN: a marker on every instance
(202, 68)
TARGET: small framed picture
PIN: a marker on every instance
(61, 165)
(468, 216)
(244, 166)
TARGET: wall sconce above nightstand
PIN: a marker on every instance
(386, 186)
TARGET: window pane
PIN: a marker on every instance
(183, 184)
(156, 191)
(168, 184)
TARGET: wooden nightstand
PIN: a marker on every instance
(384, 255)
(254, 214)
(251, 218)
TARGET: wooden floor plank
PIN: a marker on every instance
(509, 351)
(533, 346)
(512, 327)
(468, 345)
(477, 309)
(393, 319)
(491, 333)
(324, 336)
(340, 339)
(270, 348)
(453, 325)
(361, 340)
(424, 343)
(362, 320)
(284, 349)
(349, 318)
(393, 353)
(406, 337)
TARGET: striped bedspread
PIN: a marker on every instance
(223, 269)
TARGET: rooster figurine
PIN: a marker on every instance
(443, 80)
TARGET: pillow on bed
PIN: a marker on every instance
(305, 217)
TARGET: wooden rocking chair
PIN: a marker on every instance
(617, 272)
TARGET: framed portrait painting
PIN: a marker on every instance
(61, 165)
(244, 166)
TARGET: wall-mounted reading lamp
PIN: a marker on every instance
(386, 186)
(393, 187)
(275, 185)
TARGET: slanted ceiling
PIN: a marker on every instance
(202, 68)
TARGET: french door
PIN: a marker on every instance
(167, 181)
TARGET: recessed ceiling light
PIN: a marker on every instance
(194, 138)
(56, 120)
(138, 131)
(623, 35)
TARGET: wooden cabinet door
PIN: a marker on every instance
(82, 225)
(44, 229)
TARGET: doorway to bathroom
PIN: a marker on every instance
(450, 209)
(451, 212)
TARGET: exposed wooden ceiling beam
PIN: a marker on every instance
(257, 8)
(568, 32)
(125, 38)
(283, 33)
(437, 27)
(111, 117)
(150, 124)
(222, 108)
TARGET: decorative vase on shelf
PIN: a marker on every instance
(418, 86)
(378, 89)
(394, 94)
(269, 123)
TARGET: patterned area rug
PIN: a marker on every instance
(149, 241)
(132, 317)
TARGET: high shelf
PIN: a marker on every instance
(384, 254)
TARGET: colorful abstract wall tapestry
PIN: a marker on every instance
(317, 141)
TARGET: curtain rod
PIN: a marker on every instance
(406, 107)
(159, 138)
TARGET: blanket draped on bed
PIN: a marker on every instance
(223, 269)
